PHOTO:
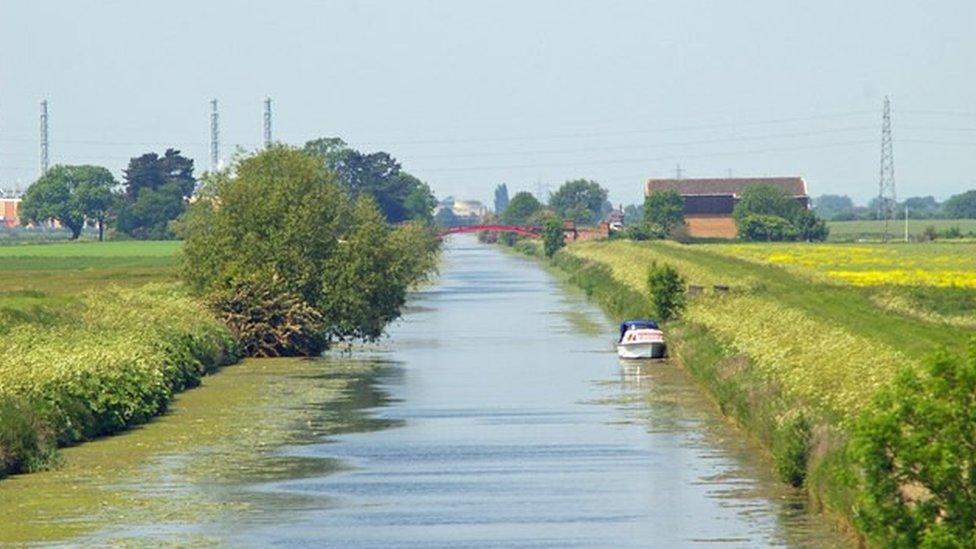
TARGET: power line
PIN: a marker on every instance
(651, 159)
(647, 146)
(488, 154)
(938, 112)
(618, 132)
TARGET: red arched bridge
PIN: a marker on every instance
(524, 230)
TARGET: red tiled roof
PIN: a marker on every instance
(725, 186)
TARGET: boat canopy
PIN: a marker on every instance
(637, 325)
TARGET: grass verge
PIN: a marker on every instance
(112, 359)
(97, 338)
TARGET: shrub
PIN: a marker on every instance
(552, 237)
(24, 443)
(916, 449)
(928, 234)
(756, 227)
(791, 449)
(809, 227)
(644, 231)
(667, 291)
(952, 232)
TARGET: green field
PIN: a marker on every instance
(846, 231)
(62, 270)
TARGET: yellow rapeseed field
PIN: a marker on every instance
(924, 264)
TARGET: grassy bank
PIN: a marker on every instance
(794, 351)
(84, 356)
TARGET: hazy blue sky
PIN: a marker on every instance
(531, 93)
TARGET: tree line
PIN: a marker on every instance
(842, 208)
(157, 189)
(581, 200)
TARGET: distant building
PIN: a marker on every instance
(469, 208)
(709, 202)
(463, 212)
(615, 219)
(9, 206)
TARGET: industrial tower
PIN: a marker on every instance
(267, 122)
(44, 148)
(886, 183)
(214, 136)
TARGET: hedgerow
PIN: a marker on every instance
(115, 360)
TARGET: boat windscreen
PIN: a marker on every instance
(637, 325)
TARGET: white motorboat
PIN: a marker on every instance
(641, 339)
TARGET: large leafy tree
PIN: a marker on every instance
(151, 171)
(156, 192)
(581, 200)
(664, 210)
(72, 195)
(280, 216)
(399, 195)
(279, 238)
(521, 209)
(961, 206)
(765, 212)
(766, 200)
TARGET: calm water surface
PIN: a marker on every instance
(496, 415)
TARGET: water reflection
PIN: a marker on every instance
(663, 398)
(207, 462)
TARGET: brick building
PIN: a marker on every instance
(8, 212)
(709, 202)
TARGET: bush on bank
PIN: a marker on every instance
(666, 289)
(291, 262)
(916, 452)
(113, 360)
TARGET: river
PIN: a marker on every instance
(495, 415)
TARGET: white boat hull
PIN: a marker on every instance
(641, 350)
